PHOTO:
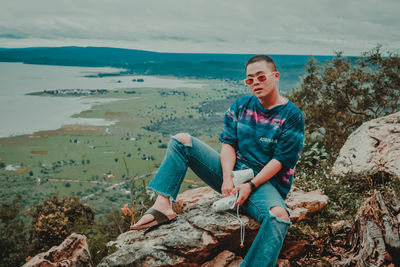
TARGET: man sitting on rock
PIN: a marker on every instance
(264, 132)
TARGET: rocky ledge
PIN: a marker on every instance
(200, 237)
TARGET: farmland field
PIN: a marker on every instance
(89, 161)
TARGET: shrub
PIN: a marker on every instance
(13, 242)
(336, 98)
(53, 219)
(343, 93)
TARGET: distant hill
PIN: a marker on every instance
(199, 65)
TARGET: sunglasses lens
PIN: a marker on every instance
(248, 81)
(261, 78)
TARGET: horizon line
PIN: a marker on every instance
(163, 52)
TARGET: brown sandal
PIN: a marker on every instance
(159, 217)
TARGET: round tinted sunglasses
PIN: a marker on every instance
(261, 78)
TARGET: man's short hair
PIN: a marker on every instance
(265, 58)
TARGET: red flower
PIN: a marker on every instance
(126, 210)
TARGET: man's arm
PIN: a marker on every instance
(269, 170)
(228, 160)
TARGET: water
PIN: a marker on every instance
(24, 114)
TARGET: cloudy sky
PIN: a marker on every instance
(224, 26)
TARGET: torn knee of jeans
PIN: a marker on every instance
(280, 213)
(183, 138)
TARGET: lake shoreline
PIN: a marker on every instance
(34, 97)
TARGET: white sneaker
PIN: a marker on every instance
(242, 176)
(226, 203)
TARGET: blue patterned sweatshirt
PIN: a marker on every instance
(259, 135)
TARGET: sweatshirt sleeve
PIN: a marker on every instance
(291, 140)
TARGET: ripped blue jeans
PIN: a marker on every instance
(205, 163)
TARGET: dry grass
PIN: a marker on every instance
(115, 114)
(86, 111)
(25, 168)
(76, 128)
(40, 152)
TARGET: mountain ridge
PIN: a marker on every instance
(142, 62)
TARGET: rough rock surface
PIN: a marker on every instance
(73, 251)
(199, 236)
(302, 204)
(373, 148)
(224, 259)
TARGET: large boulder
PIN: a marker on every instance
(72, 252)
(199, 236)
(372, 149)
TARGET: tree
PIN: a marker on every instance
(340, 95)
(12, 234)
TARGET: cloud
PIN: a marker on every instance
(254, 26)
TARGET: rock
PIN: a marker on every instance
(294, 249)
(198, 236)
(201, 195)
(73, 251)
(302, 204)
(225, 259)
(373, 148)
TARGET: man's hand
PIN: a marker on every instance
(244, 192)
(227, 187)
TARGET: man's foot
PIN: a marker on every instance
(154, 217)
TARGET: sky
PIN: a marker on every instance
(312, 27)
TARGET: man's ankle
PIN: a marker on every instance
(163, 202)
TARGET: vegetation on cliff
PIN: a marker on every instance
(340, 95)
(336, 98)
